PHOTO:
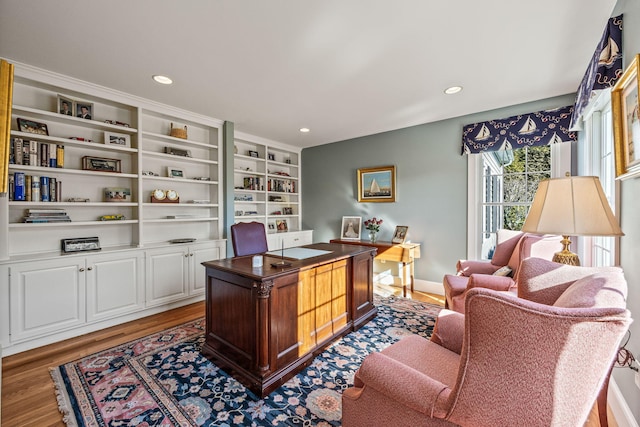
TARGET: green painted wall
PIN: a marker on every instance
(431, 185)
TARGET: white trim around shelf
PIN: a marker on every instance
(179, 158)
(173, 139)
(76, 121)
(71, 223)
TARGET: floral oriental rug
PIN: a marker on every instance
(163, 380)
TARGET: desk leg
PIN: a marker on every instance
(411, 267)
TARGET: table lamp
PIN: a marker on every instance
(571, 206)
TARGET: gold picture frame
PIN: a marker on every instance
(377, 184)
(626, 120)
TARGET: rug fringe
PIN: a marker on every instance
(64, 403)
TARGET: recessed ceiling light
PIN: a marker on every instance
(162, 79)
(453, 89)
(305, 130)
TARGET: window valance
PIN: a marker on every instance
(527, 130)
(604, 69)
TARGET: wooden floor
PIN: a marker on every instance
(28, 397)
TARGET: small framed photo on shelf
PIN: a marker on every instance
(120, 139)
(281, 225)
(175, 172)
(252, 153)
(80, 244)
(271, 156)
(30, 126)
(65, 105)
(400, 234)
(287, 211)
(84, 110)
(351, 226)
(117, 194)
(272, 226)
(101, 164)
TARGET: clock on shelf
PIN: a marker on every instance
(164, 196)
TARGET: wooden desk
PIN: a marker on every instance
(263, 325)
(404, 253)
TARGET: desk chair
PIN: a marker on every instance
(248, 238)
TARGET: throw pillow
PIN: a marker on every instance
(503, 271)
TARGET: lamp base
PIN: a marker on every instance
(565, 256)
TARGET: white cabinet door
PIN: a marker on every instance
(167, 275)
(274, 241)
(46, 296)
(114, 285)
(198, 255)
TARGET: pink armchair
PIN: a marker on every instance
(508, 361)
(511, 249)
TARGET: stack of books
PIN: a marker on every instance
(46, 215)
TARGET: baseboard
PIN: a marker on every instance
(429, 287)
(619, 408)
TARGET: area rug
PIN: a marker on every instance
(163, 380)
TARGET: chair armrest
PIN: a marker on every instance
(468, 267)
(497, 283)
(404, 384)
(448, 331)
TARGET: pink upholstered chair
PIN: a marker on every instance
(507, 361)
(248, 238)
(512, 247)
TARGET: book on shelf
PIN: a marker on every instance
(46, 215)
(31, 188)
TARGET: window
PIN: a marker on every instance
(597, 158)
(510, 179)
(501, 188)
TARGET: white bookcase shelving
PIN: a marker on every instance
(53, 295)
(267, 189)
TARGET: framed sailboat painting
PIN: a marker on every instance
(377, 184)
(625, 107)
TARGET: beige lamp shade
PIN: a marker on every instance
(571, 206)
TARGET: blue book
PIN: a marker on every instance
(18, 183)
(44, 188)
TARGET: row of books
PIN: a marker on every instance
(32, 188)
(36, 153)
(281, 185)
(46, 215)
(253, 183)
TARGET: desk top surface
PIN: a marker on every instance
(377, 244)
(243, 265)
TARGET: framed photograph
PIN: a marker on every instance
(100, 164)
(175, 172)
(272, 226)
(351, 227)
(81, 244)
(84, 110)
(626, 120)
(400, 234)
(120, 139)
(117, 194)
(252, 153)
(287, 211)
(30, 126)
(271, 156)
(281, 225)
(377, 184)
(65, 105)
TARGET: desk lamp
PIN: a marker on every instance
(571, 206)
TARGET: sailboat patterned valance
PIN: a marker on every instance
(604, 69)
(527, 130)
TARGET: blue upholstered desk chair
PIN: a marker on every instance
(248, 238)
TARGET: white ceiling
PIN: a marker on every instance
(343, 68)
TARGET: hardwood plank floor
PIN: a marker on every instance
(28, 397)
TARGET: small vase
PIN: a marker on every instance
(373, 236)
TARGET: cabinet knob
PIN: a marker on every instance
(186, 255)
(190, 254)
(90, 268)
(81, 270)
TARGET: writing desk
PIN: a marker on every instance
(264, 324)
(403, 253)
